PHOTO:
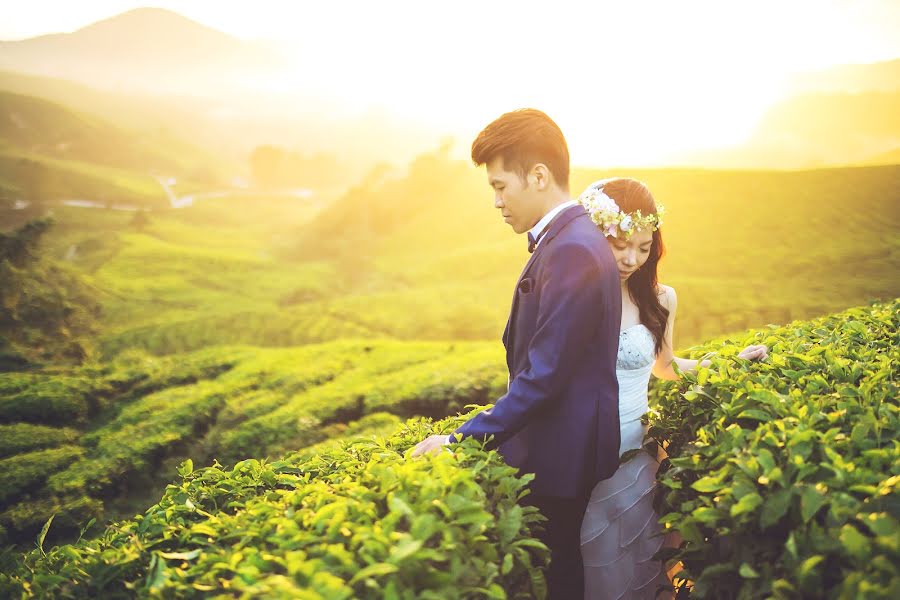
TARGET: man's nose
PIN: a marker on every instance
(498, 201)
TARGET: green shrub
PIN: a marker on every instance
(784, 475)
(359, 521)
(25, 471)
(69, 515)
(53, 400)
(23, 437)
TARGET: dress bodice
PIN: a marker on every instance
(634, 364)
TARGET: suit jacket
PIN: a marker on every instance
(559, 419)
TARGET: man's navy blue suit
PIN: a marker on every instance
(559, 418)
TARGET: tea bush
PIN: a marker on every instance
(362, 520)
(784, 475)
(24, 437)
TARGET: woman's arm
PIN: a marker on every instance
(663, 368)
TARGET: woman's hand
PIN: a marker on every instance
(756, 352)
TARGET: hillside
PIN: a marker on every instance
(840, 116)
(91, 441)
(49, 152)
(744, 249)
(145, 49)
(33, 126)
(778, 479)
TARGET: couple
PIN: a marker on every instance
(588, 325)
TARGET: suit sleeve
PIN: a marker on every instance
(569, 313)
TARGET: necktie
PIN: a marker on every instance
(532, 241)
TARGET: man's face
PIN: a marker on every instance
(516, 198)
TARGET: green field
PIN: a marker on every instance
(410, 258)
(779, 479)
(85, 441)
(292, 349)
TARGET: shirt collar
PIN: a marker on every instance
(545, 220)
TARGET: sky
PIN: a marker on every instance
(655, 76)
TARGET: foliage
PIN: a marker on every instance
(363, 520)
(46, 308)
(784, 475)
(24, 471)
(138, 415)
(23, 437)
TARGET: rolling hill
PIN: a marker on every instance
(423, 255)
(840, 116)
(146, 49)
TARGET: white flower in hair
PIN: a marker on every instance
(607, 215)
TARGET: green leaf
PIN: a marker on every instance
(375, 570)
(775, 507)
(507, 564)
(181, 555)
(706, 515)
(811, 500)
(708, 484)
(856, 544)
(746, 504)
(186, 468)
(756, 414)
(765, 459)
(43, 535)
(808, 572)
(748, 572)
(404, 549)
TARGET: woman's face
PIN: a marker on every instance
(632, 253)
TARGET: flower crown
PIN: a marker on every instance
(609, 217)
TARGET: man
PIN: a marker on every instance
(559, 418)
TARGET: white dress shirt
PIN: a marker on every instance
(545, 220)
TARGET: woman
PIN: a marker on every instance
(619, 533)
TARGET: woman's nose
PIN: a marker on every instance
(629, 259)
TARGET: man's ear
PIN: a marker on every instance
(539, 176)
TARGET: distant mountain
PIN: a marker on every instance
(850, 79)
(848, 115)
(146, 49)
(34, 126)
(885, 158)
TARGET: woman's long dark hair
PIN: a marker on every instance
(632, 195)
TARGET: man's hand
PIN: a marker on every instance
(431, 445)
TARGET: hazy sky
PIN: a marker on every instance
(648, 74)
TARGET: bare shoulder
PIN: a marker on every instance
(667, 295)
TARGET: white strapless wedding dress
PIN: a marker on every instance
(620, 533)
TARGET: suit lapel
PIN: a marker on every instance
(555, 226)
